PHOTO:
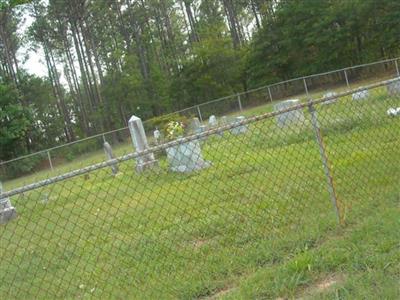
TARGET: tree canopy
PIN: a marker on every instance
(107, 60)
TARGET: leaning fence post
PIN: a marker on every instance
(325, 161)
(239, 102)
(50, 162)
(305, 86)
(269, 93)
(347, 79)
(199, 112)
(397, 67)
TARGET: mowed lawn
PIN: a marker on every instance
(258, 223)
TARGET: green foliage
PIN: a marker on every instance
(15, 121)
(307, 37)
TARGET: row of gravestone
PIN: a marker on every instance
(186, 156)
(393, 89)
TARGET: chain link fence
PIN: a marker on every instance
(87, 151)
(207, 208)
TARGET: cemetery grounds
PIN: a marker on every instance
(258, 223)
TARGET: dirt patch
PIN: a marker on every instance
(322, 286)
(199, 243)
(220, 293)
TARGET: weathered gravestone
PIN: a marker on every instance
(196, 124)
(140, 144)
(7, 211)
(224, 120)
(109, 155)
(212, 121)
(157, 136)
(290, 117)
(360, 95)
(241, 128)
(186, 157)
(393, 88)
(197, 127)
(328, 95)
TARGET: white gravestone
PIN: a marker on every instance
(196, 125)
(157, 136)
(393, 88)
(109, 155)
(393, 112)
(328, 95)
(139, 140)
(186, 157)
(239, 129)
(290, 117)
(361, 95)
(7, 211)
(212, 121)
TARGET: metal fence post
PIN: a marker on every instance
(397, 67)
(50, 162)
(305, 86)
(239, 102)
(199, 112)
(347, 79)
(325, 161)
(269, 93)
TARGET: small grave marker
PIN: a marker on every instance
(239, 129)
(109, 155)
(7, 211)
(361, 95)
(393, 88)
(328, 95)
(291, 117)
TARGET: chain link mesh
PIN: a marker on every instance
(266, 186)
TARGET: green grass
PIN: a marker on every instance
(258, 223)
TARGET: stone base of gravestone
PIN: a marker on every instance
(7, 211)
(239, 129)
(186, 157)
(361, 95)
(142, 165)
(291, 117)
(393, 88)
(328, 95)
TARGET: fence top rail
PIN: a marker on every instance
(202, 104)
(192, 137)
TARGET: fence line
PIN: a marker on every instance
(262, 189)
(197, 106)
(199, 136)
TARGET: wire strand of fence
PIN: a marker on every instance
(197, 106)
(189, 138)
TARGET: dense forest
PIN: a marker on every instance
(109, 59)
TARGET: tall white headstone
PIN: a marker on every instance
(7, 211)
(140, 144)
(291, 117)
